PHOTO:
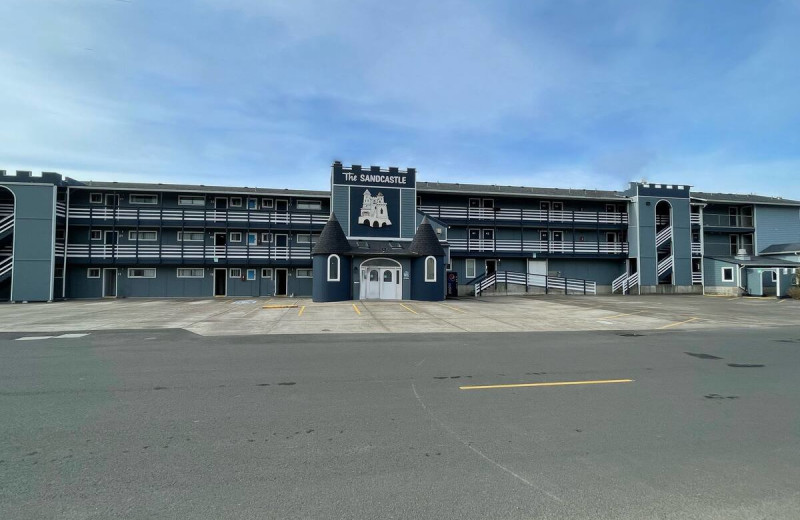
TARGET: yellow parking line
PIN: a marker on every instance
(355, 308)
(451, 307)
(624, 314)
(409, 309)
(302, 308)
(560, 383)
(678, 323)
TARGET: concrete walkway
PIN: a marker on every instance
(211, 317)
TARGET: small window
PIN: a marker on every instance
(387, 276)
(303, 239)
(474, 203)
(774, 276)
(137, 198)
(362, 244)
(96, 234)
(191, 236)
(266, 273)
(236, 236)
(395, 245)
(93, 272)
(251, 274)
(235, 272)
(191, 200)
(470, 268)
(252, 239)
(727, 274)
(236, 202)
(313, 205)
(304, 273)
(266, 238)
(430, 269)
(141, 273)
(59, 272)
(333, 268)
(96, 198)
(267, 203)
(146, 236)
(185, 272)
(252, 203)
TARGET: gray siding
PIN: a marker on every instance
(712, 273)
(340, 205)
(408, 213)
(776, 225)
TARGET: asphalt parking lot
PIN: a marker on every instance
(675, 422)
(301, 316)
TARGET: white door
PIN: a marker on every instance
(390, 282)
(373, 283)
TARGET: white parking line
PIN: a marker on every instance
(71, 336)
(63, 336)
(33, 338)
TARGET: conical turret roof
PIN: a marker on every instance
(332, 239)
(425, 242)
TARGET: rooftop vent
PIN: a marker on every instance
(741, 254)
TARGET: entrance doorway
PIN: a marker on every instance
(281, 282)
(220, 239)
(221, 203)
(220, 282)
(109, 283)
(282, 246)
(491, 267)
(381, 280)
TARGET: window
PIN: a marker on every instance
(266, 238)
(474, 203)
(727, 274)
(266, 203)
(137, 198)
(488, 203)
(235, 272)
(304, 273)
(252, 203)
(470, 268)
(191, 200)
(236, 236)
(774, 276)
(252, 239)
(333, 268)
(313, 205)
(266, 273)
(305, 239)
(185, 272)
(138, 272)
(96, 198)
(143, 235)
(191, 236)
(96, 234)
(734, 244)
(236, 202)
(430, 269)
(93, 272)
(60, 272)
(251, 274)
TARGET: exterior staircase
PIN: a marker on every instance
(6, 225)
(6, 265)
(624, 283)
(556, 284)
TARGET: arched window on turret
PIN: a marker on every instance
(334, 265)
(430, 269)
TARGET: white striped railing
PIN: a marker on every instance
(543, 246)
(663, 236)
(6, 209)
(109, 251)
(523, 215)
(6, 265)
(625, 283)
(664, 265)
(269, 217)
(697, 278)
(695, 218)
(556, 283)
(697, 249)
(61, 209)
(6, 223)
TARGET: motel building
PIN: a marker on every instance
(380, 234)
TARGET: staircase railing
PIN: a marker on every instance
(625, 282)
(663, 236)
(548, 283)
(6, 265)
(664, 265)
(6, 223)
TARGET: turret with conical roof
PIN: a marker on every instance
(332, 239)
(425, 242)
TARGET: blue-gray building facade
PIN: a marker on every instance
(63, 238)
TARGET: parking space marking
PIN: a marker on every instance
(678, 323)
(454, 308)
(557, 383)
(624, 314)
(409, 309)
(355, 308)
(302, 309)
(71, 336)
(34, 338)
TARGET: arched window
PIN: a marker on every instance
(430, 269)
(333, 268)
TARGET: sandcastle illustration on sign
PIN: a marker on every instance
(373, 211)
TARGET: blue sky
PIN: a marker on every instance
(587, 94)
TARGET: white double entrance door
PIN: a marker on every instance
(380, 282)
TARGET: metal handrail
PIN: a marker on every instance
(519, 214)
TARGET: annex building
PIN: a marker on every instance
(379, 233)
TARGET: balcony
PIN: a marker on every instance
(695, 218)
(728, 221)
(524, 215)
(538, 246)
(187, 253)
(194, 216)
(697, 249)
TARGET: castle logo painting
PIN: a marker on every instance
(373, 211)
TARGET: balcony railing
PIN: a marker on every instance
(524, 215)
(6, 209)
(199, 216)
(697, 248)
(537, 246)
(697, 278)
(177, 252)
(61, 209)
(695, 218)
(741, 221)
